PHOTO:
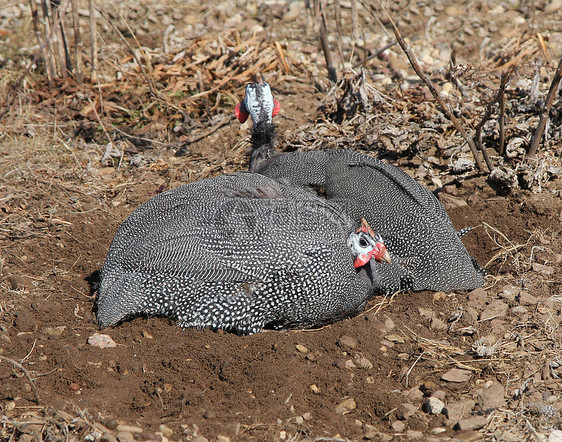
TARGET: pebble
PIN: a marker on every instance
(124, 436)
(346, 406)
(471, 423)
(433, 405)
(437, 324)
(438, 430)
(415, 394)
(458, 410)
(347, 341)
(496, 309)
(101, 341)
(519, 310)
(350, 364)
(478, 295)
(509, 292)
(395, 338)
(457, 375)
(301, 348)
(54, 331)
(315, 389)
(426, 313)
(525, 298)
(469, 436)
(128, 429)
(405, 410)
(414, 434)
(398, 426)
(492, 397)
(363, 362)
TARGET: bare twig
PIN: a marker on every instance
(26, 373)
(325, 47)
(545, 110)
(506, 76)
(77, 43)
(414, 63)
(93, 43)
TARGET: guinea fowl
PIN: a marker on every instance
(239, 252)
(417, 230)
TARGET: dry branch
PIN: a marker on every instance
(498, 98)
(545, 110)
(414, 63)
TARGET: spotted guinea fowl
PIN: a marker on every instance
(239, 252)
(414, 224)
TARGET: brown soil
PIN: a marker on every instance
(59, 215)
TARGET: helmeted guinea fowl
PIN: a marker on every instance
(238, 252)
(413, 223)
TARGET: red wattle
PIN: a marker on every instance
(361, 260)
(276, 107)
(241, 113)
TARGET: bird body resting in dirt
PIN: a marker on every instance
(239, 252)
(415, 226)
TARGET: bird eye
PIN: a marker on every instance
(363, 242)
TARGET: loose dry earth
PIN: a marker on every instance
(470, 366)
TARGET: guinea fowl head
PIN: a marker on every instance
(260, 105)
(366, 244)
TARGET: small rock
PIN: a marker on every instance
(363, 362)
(108, 437)
(428, 387)
(525, 298)
(347, 341)
(395, 338)
(405, 410)
(451, 202)
(389, 323)
(433, 405)
(471, 423)
(492, 397)
(299, 420)
(470, 436)
(478, 295)
(458, 410)
(438, 430)
(415, 394)
(129, 429)
(398, 426)
(414, 434)
(437, 324)
(124, 436)
(457, 375)
(101, 341)
(519, 310)
(315, 389)
(346, 406)
(439, 394)
(54, 331)
(301, 348)
(509, 292)
(350, 364)
(426, 313)
(496, 309)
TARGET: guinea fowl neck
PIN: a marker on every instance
(263, 144)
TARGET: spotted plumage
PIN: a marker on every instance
(238, 252)
(426, 249)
